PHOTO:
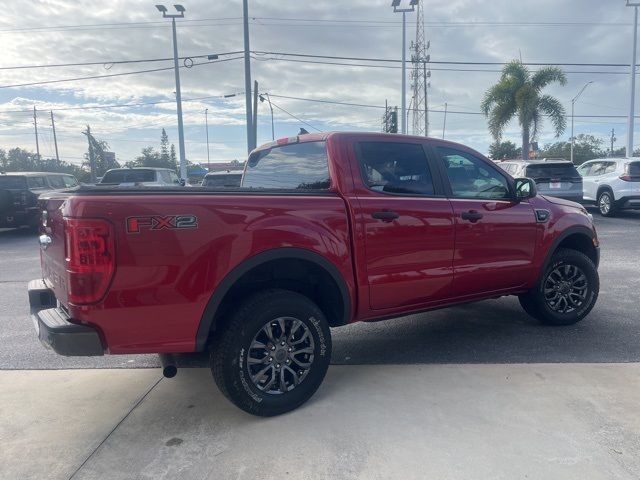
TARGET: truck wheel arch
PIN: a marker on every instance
(225, 288)
(577, 238)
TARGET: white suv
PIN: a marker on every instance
(612, 184)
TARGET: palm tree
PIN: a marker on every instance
(519, 93)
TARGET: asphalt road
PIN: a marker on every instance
(493, 331)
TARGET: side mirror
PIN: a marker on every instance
(525, 188)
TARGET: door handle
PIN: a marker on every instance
(385, 215)
(472, 215)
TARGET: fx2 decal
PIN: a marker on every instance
(160, 222)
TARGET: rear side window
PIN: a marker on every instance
(392, 167)
(11, 182)
(299, 166)
(129, 176)
(36, 182)
(557, 170)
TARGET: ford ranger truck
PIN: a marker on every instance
(325, 230)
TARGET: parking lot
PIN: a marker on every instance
(476, 391)
(495, 331)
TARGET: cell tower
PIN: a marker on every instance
(420, 76)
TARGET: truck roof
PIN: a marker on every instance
(34, 174)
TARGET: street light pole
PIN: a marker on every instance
(395, 4)
(273, 135)
(181, 10)
(632, 100)
(206, 125)
(251, 141)
(573, 104)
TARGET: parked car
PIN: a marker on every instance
(326, 230)
(141, 176)
(556, 177)
(225, 179)
(19, 192)
(612, 184)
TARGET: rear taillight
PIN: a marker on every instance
(90, 258)
(626, 178)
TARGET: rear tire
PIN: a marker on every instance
(606, 204)
(567, 290)
(273, 353)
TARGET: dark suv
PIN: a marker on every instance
(19, 192)
(554, 177)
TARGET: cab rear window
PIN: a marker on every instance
(298, 166)
(129, 176)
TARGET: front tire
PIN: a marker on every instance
(606, 204)
(273, 354)
(567, 290)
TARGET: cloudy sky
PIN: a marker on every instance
(48, 32)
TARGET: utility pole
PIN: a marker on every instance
(573, 104)
(55, 139)
(206, 124)
(180, 14)
(632, 101)
(395, 4)
(262, 97)
(255, 114)
(444, 124)
(35, 126)
(251, 142)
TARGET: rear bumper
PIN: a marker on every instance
(632, 202)
(54, 329)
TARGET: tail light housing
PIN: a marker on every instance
(90, 259)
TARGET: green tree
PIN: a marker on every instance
(103, 159)
(164, 146)
(518, 94)
(500, 150)
(21, 160)
(585, 147)
(172, 155)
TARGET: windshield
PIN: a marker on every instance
(12, 182)
(129, 176)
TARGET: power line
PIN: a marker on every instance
(293, 116)
(45, 82)
(438, 62)
(111, 63)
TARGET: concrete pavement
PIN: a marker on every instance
(535, 421)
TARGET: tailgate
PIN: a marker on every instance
(53, 256)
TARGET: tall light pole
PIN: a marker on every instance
(573, 104)
(632, 101)
(262, 96)
(180, 14)
(396, 4)
(206, 125)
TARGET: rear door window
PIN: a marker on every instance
(395, 168)
(298, 166)
(36, 183)
(70, 181)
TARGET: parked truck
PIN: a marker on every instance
(325, 230)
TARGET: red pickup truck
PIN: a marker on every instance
(325, 230)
